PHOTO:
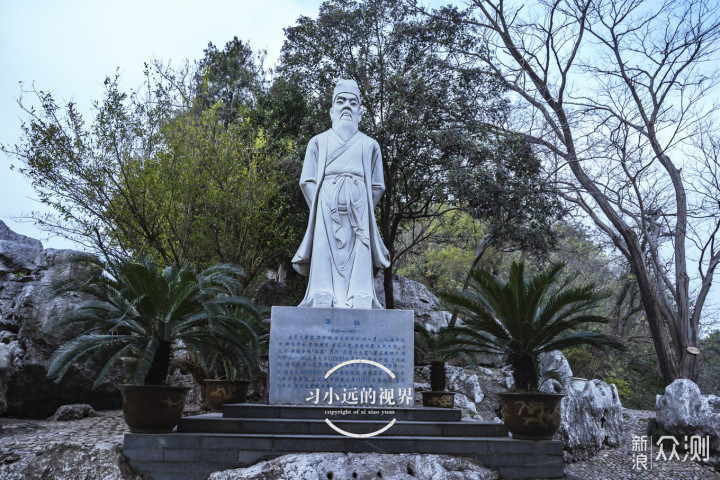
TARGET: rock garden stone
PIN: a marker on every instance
(591, 420)
(684, 410)
(71, 461)
(27, 273)
(591, 417)
(18, 253)
(66, 413)
(556, 363)
(468, 410)
(340, 466)
(412, 295)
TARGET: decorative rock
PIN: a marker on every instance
(551, 386)
(466, 383)
(460, 380)
(412, 295)
(508, 382)
(338, 466)
(74, 412)
(193, 398)
(18, 253)
(71, 461)
(27, 273)
(591, 419)
(684, 410)
(468, 410)
(556, 362)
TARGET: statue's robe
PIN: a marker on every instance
(342, 182)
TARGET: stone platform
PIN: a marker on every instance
(247, 433)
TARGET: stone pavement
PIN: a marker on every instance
(20, 437)
(617, 463)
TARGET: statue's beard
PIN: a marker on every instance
(345, 128)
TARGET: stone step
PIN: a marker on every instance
(193, 456)
(320, 412)
(216, 423)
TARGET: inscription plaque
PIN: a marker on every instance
(307, 343)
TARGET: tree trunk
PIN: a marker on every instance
(485, 242)
(160, 365)
(388, 286)
(525, 371)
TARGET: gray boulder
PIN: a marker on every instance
(71, 461)
(18, 253)
(684, 410)
(412, 295)
(323, 466)
(26, 307)
(67, 413)
(555, 363)
(591, 419)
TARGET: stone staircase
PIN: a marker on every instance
(246, 433)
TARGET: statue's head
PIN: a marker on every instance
(346, 105)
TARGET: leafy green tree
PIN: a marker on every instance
(155, 175)
(422, 102)
(229, 79)
(443, 258)
(218, 190)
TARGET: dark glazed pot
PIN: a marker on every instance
(532, 416)
(152, 408)
(438, 399)
(221, 392)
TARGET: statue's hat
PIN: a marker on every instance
(346, 86)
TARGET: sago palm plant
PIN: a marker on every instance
(524, 317)
(140, 312)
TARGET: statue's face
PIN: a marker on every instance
(345, 108)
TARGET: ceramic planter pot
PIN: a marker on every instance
(153, 408)
(438, 399)
(221, 392)
(531, 416)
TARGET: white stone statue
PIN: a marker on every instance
(342, 180)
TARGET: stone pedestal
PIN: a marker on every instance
(341, 357)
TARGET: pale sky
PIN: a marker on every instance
(68, 47)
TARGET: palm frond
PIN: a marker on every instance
(524, 316)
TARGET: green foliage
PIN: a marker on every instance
(622, 385)
(709, 378)
(442, 260)
(512, 196)
(524, 317)
(227, 79)
(141, 312)
(431, 346)
(174, 172)
(656, 431)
